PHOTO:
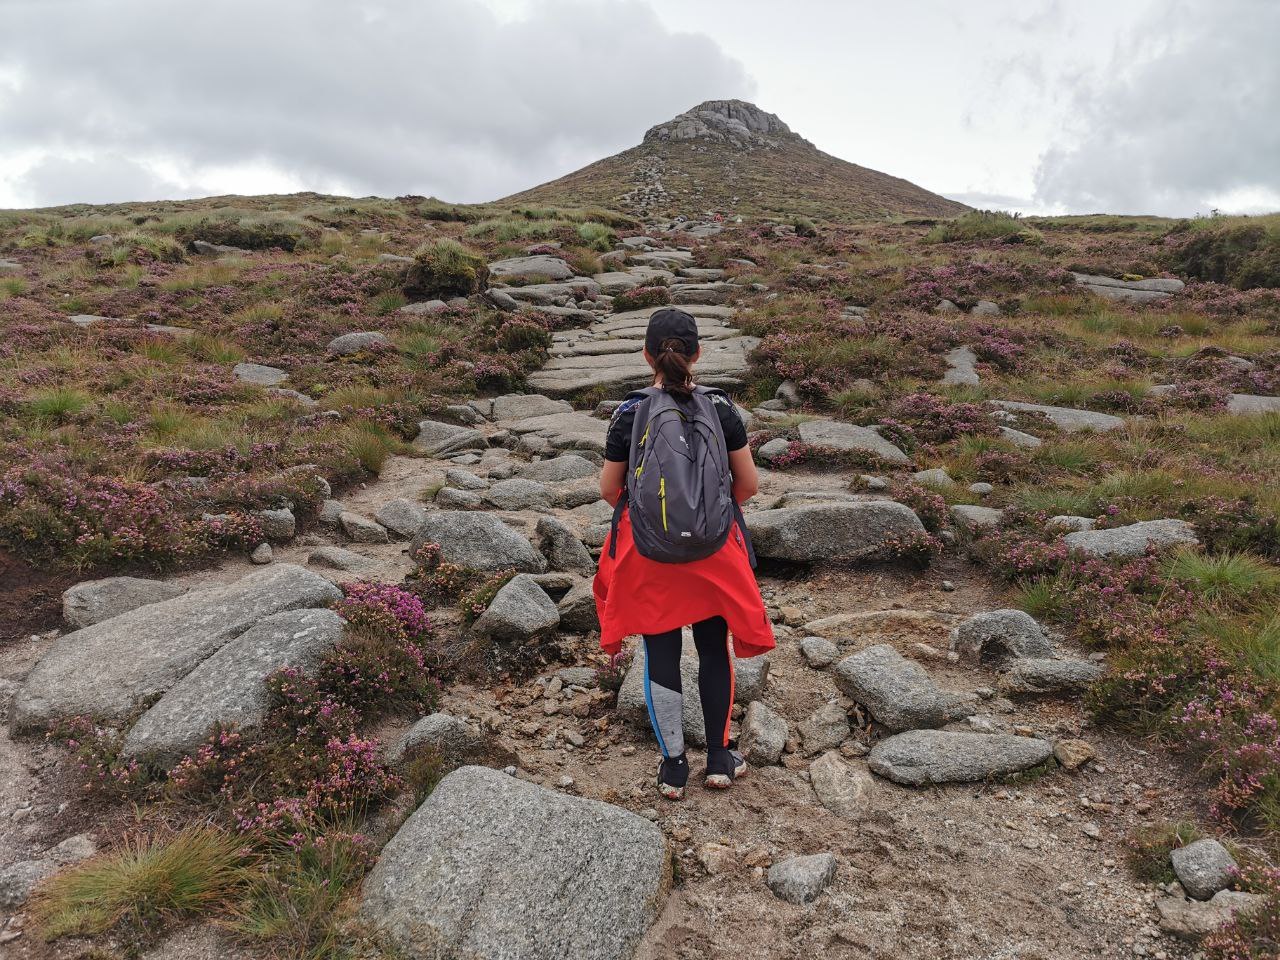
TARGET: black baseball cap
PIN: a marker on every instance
(669, 323)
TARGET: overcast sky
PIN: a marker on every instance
(1127, 106)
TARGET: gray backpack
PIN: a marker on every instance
(678, 484)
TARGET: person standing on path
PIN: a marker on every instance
(677, 468)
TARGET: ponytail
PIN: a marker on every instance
(674, 366)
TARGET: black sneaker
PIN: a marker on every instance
(724, 765)
(673, 775)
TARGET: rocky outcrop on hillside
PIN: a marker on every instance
(735, 122)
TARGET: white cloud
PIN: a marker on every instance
(381, 96)
(1184, 120)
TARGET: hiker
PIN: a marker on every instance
(677, 467)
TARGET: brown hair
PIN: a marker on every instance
(674, 365)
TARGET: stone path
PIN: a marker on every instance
(607, 354)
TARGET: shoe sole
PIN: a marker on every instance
(722, 781)
(670, 792)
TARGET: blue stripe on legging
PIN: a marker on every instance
(648, 702)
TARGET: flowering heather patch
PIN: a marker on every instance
(1254, 935)
(917, 548)
(1234, 525)
(1018, 554)
(1235, 728)
(49, 507)
(930, 507)
(305, 771)
(966, 282)
(95, 752)
(641, 297)
(920, 418)
(1197, 395)
(383, 606)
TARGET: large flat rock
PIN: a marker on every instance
(1246, 403)
(921, 757)
(536, 267)
(230, 687)
(493, 868)
(835, 435)
(1066, 418)
(1132, 540)
(830, 531)
(721, 359)
(108, 669)
(1134, 291)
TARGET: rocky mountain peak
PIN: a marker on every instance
(735, 122)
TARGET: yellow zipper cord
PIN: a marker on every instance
(662, 496)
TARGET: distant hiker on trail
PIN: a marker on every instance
(677, 467)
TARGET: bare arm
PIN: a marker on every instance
(746, 480)
(611, 478)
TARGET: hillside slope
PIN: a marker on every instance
(731, 157)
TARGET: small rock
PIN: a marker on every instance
(773, 449)
(353, 343)
(1045, 675)
(1204, 867)
(336, 558)
(449, 498)
(519, 494)
(937, 477)
(453, 738)
(520, 610)
(1073, 754)
(843, 788)
(278, 524)
(764, 734)
(261, 554)
(331, 512)
(999, 636)
(1133, 540)
(362, 529)
(981, 489)
(1195, 919)
(465, 480)
(799, 880)
(825, 729)
(402, 517)
(819, 652)
(561, 546)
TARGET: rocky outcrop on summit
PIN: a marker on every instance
(733, 121)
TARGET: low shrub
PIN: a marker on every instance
(302, 897)
(246, 233)
(1244, 255)
(147, 882)
(443, 269)
(984, 225)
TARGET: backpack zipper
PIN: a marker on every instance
(662, 498)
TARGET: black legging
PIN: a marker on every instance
(665, 696)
